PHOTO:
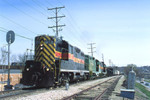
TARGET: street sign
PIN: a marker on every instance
(10, 37)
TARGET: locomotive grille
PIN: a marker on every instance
(45, 51)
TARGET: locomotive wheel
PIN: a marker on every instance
(85, 77)
(59, 82)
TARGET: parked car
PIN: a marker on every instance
(147, 84)
(142, 80)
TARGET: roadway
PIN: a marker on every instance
(148, 87)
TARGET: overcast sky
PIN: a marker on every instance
(120, 28)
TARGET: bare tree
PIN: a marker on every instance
(13, 58)
(3, 56)
(127, 69)
(0, 58)
(22, 58)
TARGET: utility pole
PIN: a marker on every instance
(110, 63)
(102, 57)
(57, 19)
(92, 48)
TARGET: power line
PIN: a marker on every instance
(16, 34)
(2, 31)
(83, 39)
(49, 2)
(19, 36)
(65, 33)
(76, 27)
(68, 27)
(26, 13)
(38, 4)
(33, 8)
(18, 24)
(56, 18)
(24, 37)
(3, 28)
(28, 29)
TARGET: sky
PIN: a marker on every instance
(120, 28)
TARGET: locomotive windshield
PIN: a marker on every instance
(49, 42)
(62, 46)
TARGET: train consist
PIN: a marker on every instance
(56, 61)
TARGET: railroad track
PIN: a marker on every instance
(23, 92)
(16, 92)
(98, 92)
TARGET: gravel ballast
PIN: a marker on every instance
(60, 93)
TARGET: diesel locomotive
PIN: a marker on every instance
(56, 61)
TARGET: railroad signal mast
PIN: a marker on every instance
(92, 48)
(57, 18)
(10, 38)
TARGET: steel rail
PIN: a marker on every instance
(75, 95)
(15, 92)
(100, 95)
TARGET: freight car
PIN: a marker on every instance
(56, 61)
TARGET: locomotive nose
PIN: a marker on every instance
(36, 77)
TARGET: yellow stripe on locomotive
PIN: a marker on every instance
(45, 51)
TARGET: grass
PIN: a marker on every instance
(140, 96)
(143, 89)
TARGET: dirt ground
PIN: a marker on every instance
(14, 79)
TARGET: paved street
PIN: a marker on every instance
(148, 87)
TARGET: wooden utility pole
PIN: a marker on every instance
(57, 9)
(102, 57)
(92, 48)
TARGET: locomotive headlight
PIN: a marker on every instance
(41, 48)
(47, 69)
(41, 45)
(27, 69)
